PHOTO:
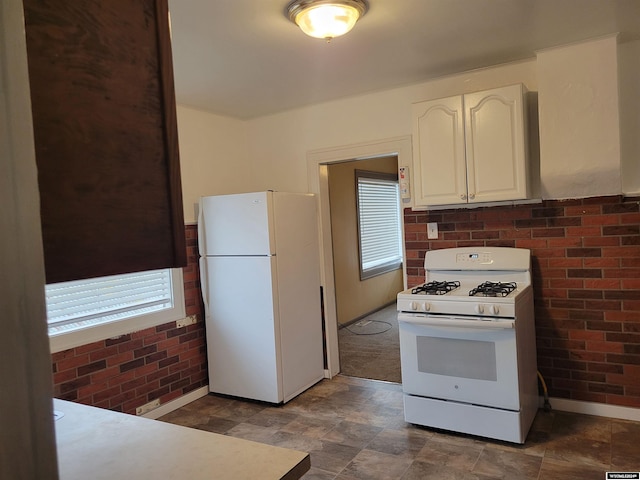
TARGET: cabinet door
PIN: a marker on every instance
(438, 152)
(495, 144)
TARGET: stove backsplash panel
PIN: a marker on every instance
(586, 279)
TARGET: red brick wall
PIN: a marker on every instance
(162, 362)
(586, 277)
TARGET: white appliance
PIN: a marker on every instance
(467, 343)
(260, 278)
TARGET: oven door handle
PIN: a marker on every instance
(458, 322)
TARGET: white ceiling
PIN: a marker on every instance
(245, 59)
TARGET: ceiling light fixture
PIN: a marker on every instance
(326, 18)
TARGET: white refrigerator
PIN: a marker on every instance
(260, 279)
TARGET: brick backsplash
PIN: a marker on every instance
(586, 279)
(162, 362)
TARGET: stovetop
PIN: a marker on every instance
(484, 298)
(493, 289)
(436, 288)
(453, 288)
(475, 281)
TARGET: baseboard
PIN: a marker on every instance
(561, 404)
(592, 408)
(177, 403)
(354, 320)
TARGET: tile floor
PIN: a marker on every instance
(354, 429)
(370, 347)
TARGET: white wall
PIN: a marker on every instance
(629, 76)
(579, 120)
(213, 157)
(279, 143)
(580, 127)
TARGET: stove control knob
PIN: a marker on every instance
(414, 305)
(494, 309)
(427, 306)
(479, 309)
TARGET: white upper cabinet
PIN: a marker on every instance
(440, 172)
(471, 148)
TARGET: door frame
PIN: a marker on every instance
(318, 183)
(26, 414)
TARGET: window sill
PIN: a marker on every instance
(96, 333)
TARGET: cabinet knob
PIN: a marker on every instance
(472, 196)
(463, 197)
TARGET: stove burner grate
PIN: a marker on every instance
(493, 289)
(436, 288)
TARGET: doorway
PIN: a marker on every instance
(368, 340)
(318, 162)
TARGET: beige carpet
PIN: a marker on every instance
(369, 348)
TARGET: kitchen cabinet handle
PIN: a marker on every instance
(472, 196)
(204, 276)
(463, 197)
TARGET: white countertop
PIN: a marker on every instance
(97, 444)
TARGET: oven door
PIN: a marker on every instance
(470, 360)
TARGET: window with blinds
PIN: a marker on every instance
(80, 305)
(379, 228)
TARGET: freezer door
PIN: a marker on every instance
(242, 341)
(236, 225)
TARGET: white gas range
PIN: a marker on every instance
(467, 343)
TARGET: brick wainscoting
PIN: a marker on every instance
(162, 362)
(586, 276)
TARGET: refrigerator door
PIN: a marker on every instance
(236, 225)
(298, 270)
(242, 341)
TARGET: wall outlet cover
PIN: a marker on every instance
(147, 407)
(432, 230)
(183, 322)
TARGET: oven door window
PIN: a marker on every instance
(470, 365)
(457, 357)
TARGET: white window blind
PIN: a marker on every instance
(84, 303)
(379, 226)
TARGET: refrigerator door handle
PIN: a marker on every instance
(204, 276)
(200, 229)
